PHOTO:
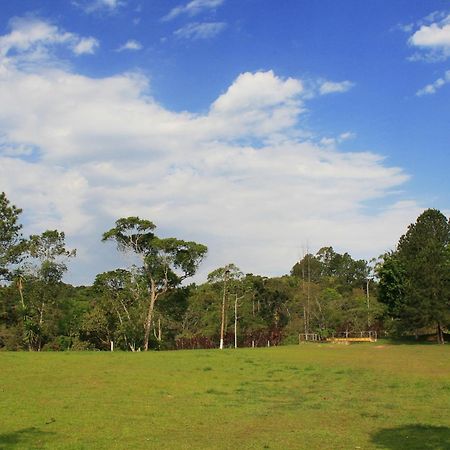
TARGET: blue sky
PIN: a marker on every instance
(257, 127)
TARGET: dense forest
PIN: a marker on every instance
(151, 306)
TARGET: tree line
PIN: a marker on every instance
(149, 306)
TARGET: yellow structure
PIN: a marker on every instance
(351, 339)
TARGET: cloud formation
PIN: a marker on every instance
(131, 45)
(78, 152)
(330, 87)
(193, 8)
(432, 38)
(86, 46)
(33, 39)
(435, 86)
(92, 6)
(195, 30)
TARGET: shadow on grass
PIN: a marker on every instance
(413, 437)
(32, 438)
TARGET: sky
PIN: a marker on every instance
(261, 128)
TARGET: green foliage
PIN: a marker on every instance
(117, 310)
(229, 273)
(392, 284)
(146, 306)
(309, 268)
(41, 310)
(415, 279)
(11, 241)
(334, 269)
(165, 262)
(132, 233)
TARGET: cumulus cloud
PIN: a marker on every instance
(29, 33)
(80, 152)
(193, 8)
(33, 39)
(86, 46)
(195, 31)
(130, 45)
(433, 39)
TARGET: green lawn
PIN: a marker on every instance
(308, 396)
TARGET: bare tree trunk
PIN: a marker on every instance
(308, 293)
(22, 301)
(440, 334)
(368, 304)
(158, 334)
(121, 323)
(20, 287)
(235, 321)
(222, 325)
(148, 321)
(304, 321)
(41, 321)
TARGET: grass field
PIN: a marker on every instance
(310, 396)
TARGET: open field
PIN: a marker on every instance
(310, 396)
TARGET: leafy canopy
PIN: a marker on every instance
(11, 241)
(165, 260)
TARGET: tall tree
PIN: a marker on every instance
(164, 262)
(118, 297)
(415, 279)
(392, 285)
(425, 253)
(340, 271)
(44, 273)
(11, 242)
(228, 275)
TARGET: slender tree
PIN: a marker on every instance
(164, 262)
(118, 296)
(45, 270)
(224, 275)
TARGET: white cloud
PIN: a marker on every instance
(433, 39)
(205, 30)
(86, 46)
(332, 141)
(346, 136)
(76, 153)
(110, 3)
(193, 8)
(32, 39)
(257, 90)
(54, 195)
(130, 45)
(435, 86)
(256, 104)
(432, 36)
(331, 87)
(29, 33)
(91, 6)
